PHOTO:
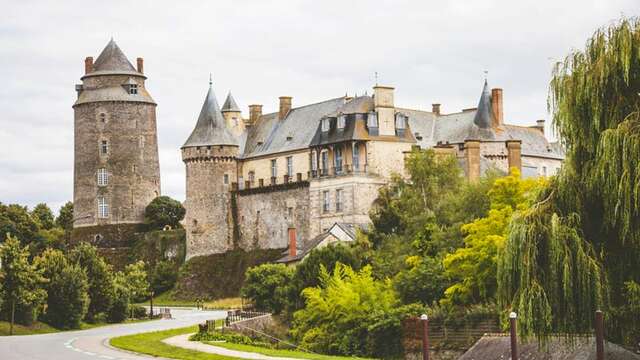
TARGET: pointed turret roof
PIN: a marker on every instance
(211, 128)
(230, 104)
(483, 114)
(112, 59)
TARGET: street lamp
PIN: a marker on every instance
(425, 336)
(514, 340)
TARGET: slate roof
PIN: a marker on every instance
(498, 347)
(269, 135)
(230, 104)
(483, 116)
(112, 59)
(211, 128)
(113, 93)
(301, 252)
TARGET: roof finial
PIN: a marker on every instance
(210, 79)
(376, 75)
(486, 73)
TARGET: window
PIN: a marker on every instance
(290, 166)
(134, 168)
(97, 238)
(326, 124)
(103, 208)
(133, 89)
(356, 157)
(325, 162)
(338, 156)
(544, 171)
(103, 117)
(325, 201)
(274, 168)
(401, 121)
(240, 182)
(235, 121)
(252, 177)
(141, 142)
(103, 177)
(314, 160)
(372, 120)
(342, 120)
(226, 179)
(104, 147)
(339, 200)
(290, 213)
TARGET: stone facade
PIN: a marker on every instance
(116, 165)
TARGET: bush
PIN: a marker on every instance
(164, 276)
(266, 286)
(137, 312)
(163, 211)
(100, 276)
(118, 311)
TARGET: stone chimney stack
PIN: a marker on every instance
(514, 148)
(540, 125)
(472, 157)
(384, 106)
(497, 107)
(285, 106)
(293, 242)
(140, 63)
(435, 108)
(255, 111)
(88, 64)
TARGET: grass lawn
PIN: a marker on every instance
(151, 344)
(167, 299)
(42, 328)
(279, 353)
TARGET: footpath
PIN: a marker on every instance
(182, 341)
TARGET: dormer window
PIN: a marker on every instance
(401, 121)
(342, 120)
(133, 89)
(372, 120)
(326, 124)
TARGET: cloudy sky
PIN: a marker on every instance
(431, 51)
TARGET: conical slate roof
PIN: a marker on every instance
(483, 114)
(211, 128)
(112, 59)
(230, 104)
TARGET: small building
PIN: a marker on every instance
(339, 233)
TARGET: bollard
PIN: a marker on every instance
(599, 335)
(425, 336)
(514, 336)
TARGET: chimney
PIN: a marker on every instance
(384, 105)
(293, 243)
(472, 157)
(140, 65)
(514, 148)
(285, 106)
(496, 106)
(539, 125)
(255, 111)
(435, 108)
(88, 64)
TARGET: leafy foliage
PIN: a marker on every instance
(164, 276)
(100, 275)
(43, 216)
(15, 220)
(65, 217)
(163, 211)
(266, 286)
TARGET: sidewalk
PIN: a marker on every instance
(182, 341)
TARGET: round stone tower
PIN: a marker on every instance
(116, 166)
(210, 156)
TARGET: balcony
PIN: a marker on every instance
(343, 170)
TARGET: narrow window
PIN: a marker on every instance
(226, 179)
(134, 168)
(356, 157)
(290, 213)
(103, 178)
(338, 162)
(342, 120)
(103, 207)
(372, 120)
(104, 147)
(133, 89)
(274, 168)
(401, 122)
(290, 166)
(141, 142)
(103, 117)
(252, 177)
(325, 162)
(326, 124)
(339, 200)
(235, 121)
(314, 161)
(325, 201)
(544, 171)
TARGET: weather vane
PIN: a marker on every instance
(210, 79)
(486, 72)
(376, 74)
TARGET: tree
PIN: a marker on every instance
(16, 221)
(474, 266)
(580, 243)
(266, 286)
(67, 288)
(21, 280)
(164, 276)
(163, 211)
(65, 217)
(43, 216)
(135, 280)
(119, 308)
(100, 276)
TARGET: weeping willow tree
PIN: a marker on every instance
(574, 250)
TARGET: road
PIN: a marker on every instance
(93, 343)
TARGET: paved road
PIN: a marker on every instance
(93, 343)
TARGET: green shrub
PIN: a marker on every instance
(137, 312)
(164, 276)
(266, 286)
(119, 309)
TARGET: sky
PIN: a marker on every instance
(430, 51)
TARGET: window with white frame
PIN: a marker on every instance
(290, 166)
(225, 179)
(314, 160)
(103, 177)
(401, 121)
(324, 155)
(339, 200)
(356, 157)
(325, 201)
(326, 124)
(372, 120)
(338, 159)
(104, 147)
(274, 168)
(252, 177)
(342, 120)
(133, 89)
(103, 207)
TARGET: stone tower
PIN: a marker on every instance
(116, 166)
(210, 156)
(233, 116)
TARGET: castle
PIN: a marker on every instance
(278, 180)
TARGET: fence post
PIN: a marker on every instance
(514, 336)
(425, 336)
(599, 335)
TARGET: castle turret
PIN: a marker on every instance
(210, 156)
(116, 166)
(233, 115)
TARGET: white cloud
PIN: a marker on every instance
(432, 51)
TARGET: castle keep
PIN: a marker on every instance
(116, 166)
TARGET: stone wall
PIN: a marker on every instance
(387, 157)
(260, 323)
(261, 167)
(265, 214)
(537, 165)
